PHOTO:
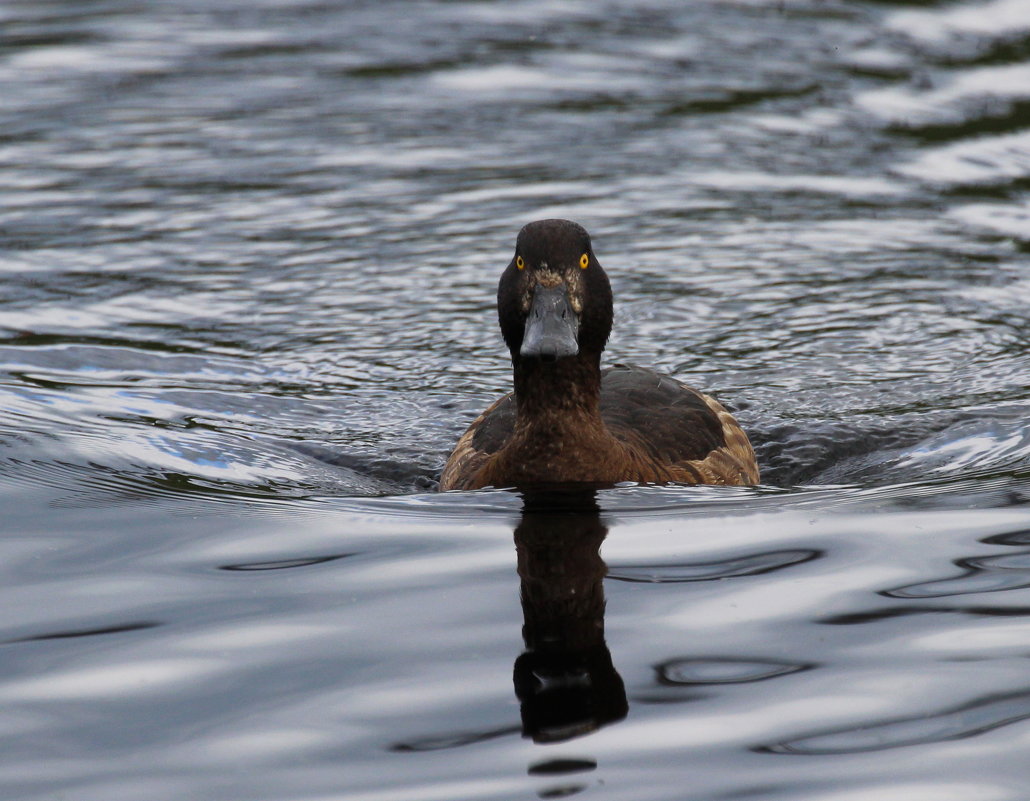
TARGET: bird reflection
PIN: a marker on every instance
(565, 679)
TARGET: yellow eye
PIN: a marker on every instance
(584, 261)
(519, 262)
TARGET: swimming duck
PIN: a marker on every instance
(569, 421)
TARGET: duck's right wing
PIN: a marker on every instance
(486, 436)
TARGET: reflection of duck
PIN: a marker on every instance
(565, 679)
(567, 421)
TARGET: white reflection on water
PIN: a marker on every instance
(950, 101)
(926, 790)
(998, 18)
(986, 160)
(1008, 220)
(116, 681)
(988, 639)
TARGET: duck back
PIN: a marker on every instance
(668, 431)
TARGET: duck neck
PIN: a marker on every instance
(554, 395)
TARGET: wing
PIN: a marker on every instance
(487, 435)
(691, 434)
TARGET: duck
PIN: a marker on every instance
(567, 421)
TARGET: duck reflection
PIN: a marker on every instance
(565, 679)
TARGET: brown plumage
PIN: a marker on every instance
(567, 420)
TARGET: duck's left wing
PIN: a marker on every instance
(690, 435)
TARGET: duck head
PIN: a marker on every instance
(554, 300)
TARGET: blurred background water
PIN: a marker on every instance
(248, 256)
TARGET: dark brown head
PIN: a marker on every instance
(554, 300)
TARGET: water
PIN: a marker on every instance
(248, 254)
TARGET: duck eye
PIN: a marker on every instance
(519, 262)
(584, 261)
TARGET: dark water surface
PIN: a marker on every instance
(248, 254)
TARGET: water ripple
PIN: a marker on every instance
(734, 567)
(710, 670)
(997, 573)
(968, 720)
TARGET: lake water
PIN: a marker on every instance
(248, 257)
